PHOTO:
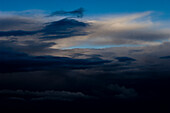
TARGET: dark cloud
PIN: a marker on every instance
(12, 61)
(17, 33)
(122, 92)
(29, 47)
(35, 47)
(125, 59)
(78, 13)
(42, 95)
(165, 57)
(60, 36)
(63, 29)
(54, 30)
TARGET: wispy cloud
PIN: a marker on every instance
(79, 13)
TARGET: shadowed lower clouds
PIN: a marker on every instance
(106, 64)
(12, 61)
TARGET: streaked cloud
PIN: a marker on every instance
(79, 13)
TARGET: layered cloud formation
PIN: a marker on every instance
(92, 63)
(130, 29)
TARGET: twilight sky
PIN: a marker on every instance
(84, 56)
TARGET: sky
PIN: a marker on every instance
(92, 6)
(84, 56)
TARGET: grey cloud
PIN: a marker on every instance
(135, 51)
(19, 23)
(142, 35)
(129, 37)
(24, 95)
(122, 92)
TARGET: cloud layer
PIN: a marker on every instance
(117, 63)
(130, 29)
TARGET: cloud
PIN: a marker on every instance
(123, 30)
(18, 22)
(122, 92)
(124, 59)
(48, 75)
(31, 47)
(78, 13)
(12, 61)
(17, 33)
(111, 84)
(165, 57)
(131, 29)
(64, 28)
(120, 30)
(42, 95)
